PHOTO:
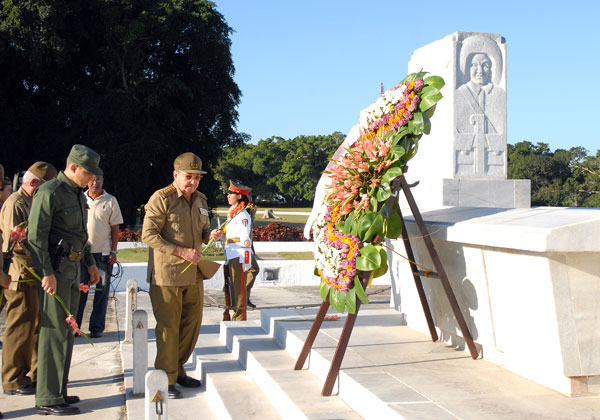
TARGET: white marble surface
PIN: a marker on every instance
(527, 282)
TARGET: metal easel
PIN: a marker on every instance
(398, 183)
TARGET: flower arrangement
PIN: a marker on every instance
(354, 218)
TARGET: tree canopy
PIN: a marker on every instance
(279, 170)
(139, 81)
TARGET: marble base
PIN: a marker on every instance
(498, 193)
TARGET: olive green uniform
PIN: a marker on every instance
(58, 211)
(19, 356)
(177, 298)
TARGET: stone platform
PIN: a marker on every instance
(389, 371)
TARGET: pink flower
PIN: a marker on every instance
(331, 317)
(84, 287)
(72, 323)
(18, 234)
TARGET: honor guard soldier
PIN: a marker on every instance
(238, 246)
(175, 226)
(58, 243)
(19, 355)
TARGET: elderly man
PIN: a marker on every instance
(104, 218)
(175, 226)
(19, 355)
(58, 243)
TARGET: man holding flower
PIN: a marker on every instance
(175, 226)
(58, 243)
(19, 358)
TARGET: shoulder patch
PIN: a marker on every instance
(167, 191)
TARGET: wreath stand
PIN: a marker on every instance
(440, 274)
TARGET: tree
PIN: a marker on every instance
(279, 170)
(139, 81)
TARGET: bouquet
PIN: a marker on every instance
(354, 219)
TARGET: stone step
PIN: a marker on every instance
(195, 400)
(294, 394)
(363, 393)
(232, 391)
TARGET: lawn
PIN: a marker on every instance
(292, 220)
(140, 255)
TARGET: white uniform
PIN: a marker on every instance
(238, 234)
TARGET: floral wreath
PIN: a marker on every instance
(354, 218)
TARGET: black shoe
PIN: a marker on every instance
(174, 393)
(57, 410)
(25, 390)
(251, 305)
(94, 334)
(188, 382)
(72, 399)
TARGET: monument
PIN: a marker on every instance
(463, 162)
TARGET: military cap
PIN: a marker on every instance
(238, 188)
(86, 158)
(189, 162)
(6, 181)
(43, 170)
(1, 171)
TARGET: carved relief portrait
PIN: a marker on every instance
(480, 110)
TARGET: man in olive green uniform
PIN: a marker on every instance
(176, 225)
(19, 355)
(58, 242)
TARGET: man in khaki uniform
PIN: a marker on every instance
(19, 358)
(175, 226)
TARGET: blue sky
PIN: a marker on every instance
(308, 67)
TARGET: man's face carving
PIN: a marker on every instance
(481, 69)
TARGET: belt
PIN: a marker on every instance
(75, 256)
(232, 241)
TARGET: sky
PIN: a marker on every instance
(308, 67)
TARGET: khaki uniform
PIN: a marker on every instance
(177, 298)
(58, 211)
(19, 358)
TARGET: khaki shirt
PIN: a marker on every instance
(15, 211)
(103, 213)
(172, 221)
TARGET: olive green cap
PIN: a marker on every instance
(189, 162)
(86, 158)
(43, 170)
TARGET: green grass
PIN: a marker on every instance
(140, 255)
(296, 255)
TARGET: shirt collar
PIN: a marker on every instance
(66, 182)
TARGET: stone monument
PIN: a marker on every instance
(463, 161)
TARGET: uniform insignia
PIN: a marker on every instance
(194, 165)
(203, 212)
(175, 226)
(246, 242)
(245, 222)
(168, 191)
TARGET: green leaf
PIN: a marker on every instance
(426, 123)
(369, 225)
(348, 223)
(429, 91)
(397, 152)
(338, 300)
(403, 131)
(360, 292)
(324, 290)
(351, 300)
(384, 265)
(394, 223)
(418, 122)
(435, 81)
(369, 259)
(392, 173)
(383, 192)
